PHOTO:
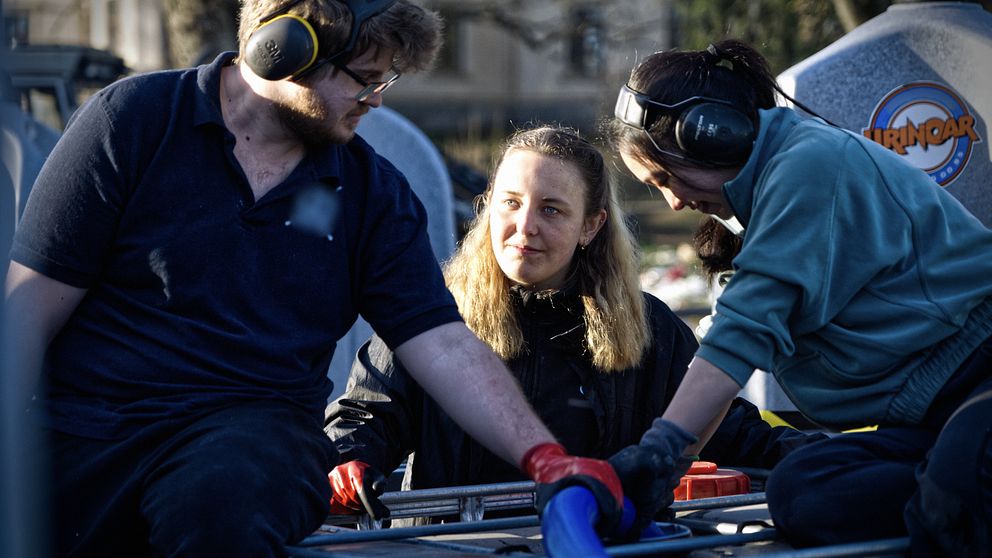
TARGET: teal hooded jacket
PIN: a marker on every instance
(861, 284)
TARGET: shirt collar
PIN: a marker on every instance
(207, 104)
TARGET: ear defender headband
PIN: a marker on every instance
(286, 45)
(709, 131)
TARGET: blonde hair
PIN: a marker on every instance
(617, 331)
(412, 33)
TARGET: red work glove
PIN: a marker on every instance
(355, 488)
(553, 470)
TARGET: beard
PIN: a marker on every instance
(307, 117)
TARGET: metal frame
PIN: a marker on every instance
(470, 502)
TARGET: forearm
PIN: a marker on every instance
(475, 388)
(701, 401)
(35, 308)
(24, 338)
(21, 357)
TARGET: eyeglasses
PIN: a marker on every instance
(369, 88)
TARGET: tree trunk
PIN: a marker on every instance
(847, 13)
(198, 30)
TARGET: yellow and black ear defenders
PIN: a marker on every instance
(286, 45)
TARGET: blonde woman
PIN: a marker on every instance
(548, 277)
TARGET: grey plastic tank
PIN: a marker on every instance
(917, 79)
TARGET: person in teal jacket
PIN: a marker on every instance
(860, 284)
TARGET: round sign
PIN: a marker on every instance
(929, 125)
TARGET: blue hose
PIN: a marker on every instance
(568, 525)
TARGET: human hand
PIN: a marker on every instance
(550, 466)
(650, 471)
(356, 487)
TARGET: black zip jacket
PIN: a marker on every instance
(384, 415)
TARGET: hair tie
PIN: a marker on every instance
(718, 57)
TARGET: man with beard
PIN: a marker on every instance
(191, 252)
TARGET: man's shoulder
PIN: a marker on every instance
(138, 102)
(139, 90)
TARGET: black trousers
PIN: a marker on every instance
(241, 481)
(932, 481)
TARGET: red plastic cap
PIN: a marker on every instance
(706, 480)
(702, 468)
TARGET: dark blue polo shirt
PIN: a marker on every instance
(198, 296)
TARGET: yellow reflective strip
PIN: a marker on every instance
(313, 39)
(863, 429)
(773, 419)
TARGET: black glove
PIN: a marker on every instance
(650, 471)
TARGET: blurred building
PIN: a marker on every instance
(131, 29)
(503, 64)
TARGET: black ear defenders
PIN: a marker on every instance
(286, 45)
(715, 132)
(282, 47)
(709, 131)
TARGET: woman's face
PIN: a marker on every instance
(695, 188)
(537, 218)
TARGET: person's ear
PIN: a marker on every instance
(591, 226)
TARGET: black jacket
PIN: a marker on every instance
(384, 415)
